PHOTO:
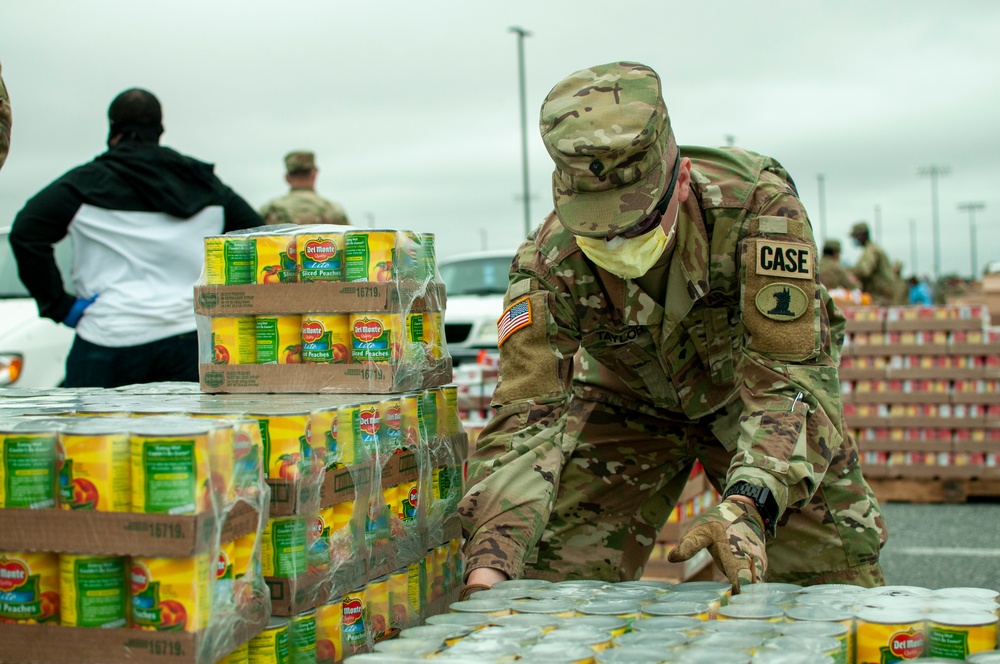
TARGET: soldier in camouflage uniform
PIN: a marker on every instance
(874, 271)
(832, 273)
(668, 311)
(302, 205)
(5, 121)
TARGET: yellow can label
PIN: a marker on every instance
(279, 339)
(329, 632)
(370, 256)
(94, 590)
(407, 499)
(171, 474)
(239, 656)
(321, 257)
(270, 646)
(172, 594)
(322, 433)
(229, 260)
(433, 335)
(286, 447)
(222, 441)
(242, 555)
(325, 338)
(416, 586)
(28, 470)
(234, 340)
(455, 553)
(401, 614)
(410, 420)
(392, 425)
(29, 586)
(353, 621)
(275, 259)
(958, 641)
(343, 543)
(377, 603)
(878, 643)
(373, 338)
(350, 450)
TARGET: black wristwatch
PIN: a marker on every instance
(762, 499)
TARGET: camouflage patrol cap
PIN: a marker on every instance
(299, 161)
(860, 227)
(608, 132)
(831, 246)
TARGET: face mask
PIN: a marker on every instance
(629, 258)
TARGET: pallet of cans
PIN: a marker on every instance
(650, 622)
(321, 309)
(125, 538)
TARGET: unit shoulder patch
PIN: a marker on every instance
(516, 316)
(781, 301)
(785, 259)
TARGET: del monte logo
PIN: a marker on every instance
(221, 565)
(367, 330)
(353, 609)
(139, 579)
(413, 496)
(13, 574)
(370, 421)
(907, 645)
(393, 418)
(311, 331)
(320, 251)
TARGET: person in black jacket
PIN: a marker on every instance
(137, 216)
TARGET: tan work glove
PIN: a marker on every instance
(733, 533)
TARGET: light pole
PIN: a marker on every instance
(878, 224)
(972, 208)
(821, 180)
(521, 34)
(913, 247)
(933, 172)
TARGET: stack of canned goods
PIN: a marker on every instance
(319, 253)
(584, 622)
(165, 465)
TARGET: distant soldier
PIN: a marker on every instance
(831, 272)
(302, 205)
(5, 120)
(874, 270)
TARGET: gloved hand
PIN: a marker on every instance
(733, 533)
(76, 311)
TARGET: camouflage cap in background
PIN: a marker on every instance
(608, 132)
(299, 161)
(860, 227)
(831, 246)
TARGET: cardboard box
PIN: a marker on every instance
(321, 378)
(53, 644)
(326, 297)
(119, 533)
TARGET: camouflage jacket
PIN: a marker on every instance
(5, 121)
(833, 274)
(874, 272)
(744, 318)
(303, 206)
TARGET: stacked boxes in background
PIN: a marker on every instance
(365, 479)
(124, 537)
(318, 309)
(921, 390)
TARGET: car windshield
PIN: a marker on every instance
(10, 283)
(476, 276)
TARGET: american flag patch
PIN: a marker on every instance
(517, 316)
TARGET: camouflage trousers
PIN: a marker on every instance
(624, 471)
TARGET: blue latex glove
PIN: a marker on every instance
(76, 311)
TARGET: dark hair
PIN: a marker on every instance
(135, 109)
(829, 250)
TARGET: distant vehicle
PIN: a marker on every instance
(475, 284)
(33, 349)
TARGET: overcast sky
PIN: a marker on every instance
(414, 112)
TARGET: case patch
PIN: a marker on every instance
(784, 259)
(783, 302)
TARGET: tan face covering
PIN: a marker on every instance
(628, 258)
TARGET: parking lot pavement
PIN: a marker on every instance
(940, 546)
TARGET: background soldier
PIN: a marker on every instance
(668, 311)
(874, 271)
(5, 121)
(302, 205)
(831, 272)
